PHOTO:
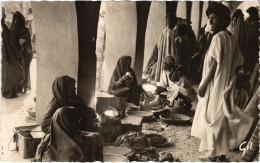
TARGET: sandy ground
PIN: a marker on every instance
(14, 113)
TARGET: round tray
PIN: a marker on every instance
(145, 114)
(108, 157)
(124, 151)
(175, 118)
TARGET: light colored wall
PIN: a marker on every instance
(245, 5)
(57, 47)
(181, 10)
(155, 24)
(121, 29)
(195, 13)
(204, 16)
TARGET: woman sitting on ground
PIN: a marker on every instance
(174, 78)
(124, 76)
(68, 125)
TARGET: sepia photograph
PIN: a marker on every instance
(129, 81)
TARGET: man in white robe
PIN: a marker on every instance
(216, 104)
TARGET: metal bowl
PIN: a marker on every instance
(121, 92)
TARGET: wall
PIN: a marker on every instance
(121, 29)
(155, 24)
(181, 10)
(57, 47)
(245, 5)
(195, 13)
(204, 16)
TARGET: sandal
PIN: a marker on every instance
(208, 159)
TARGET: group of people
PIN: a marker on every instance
(16, 56)
(177, 40)
(68, 121)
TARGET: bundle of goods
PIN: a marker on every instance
(157, 140)
(166, 156)
(111, 124)
(152, 154)
(133, 140)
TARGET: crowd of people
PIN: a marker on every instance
(16, 56)
(68, 124)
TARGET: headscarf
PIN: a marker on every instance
(68, 120)
(63, 143)
(222, 12)
(168, 63)
(20, 20)
(61, 89)
(253, 12)
(19, 26)
(122, 67)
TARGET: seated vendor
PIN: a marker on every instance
(124, 76)
(68, 125)
(174, 78)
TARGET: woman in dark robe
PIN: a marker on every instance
(12, 70)
(24, 46)
(253, 41)
(124, 76)
(68, 125)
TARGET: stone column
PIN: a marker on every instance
(57, 47)
(87, 21)
(155, 24)
(121, 29)
(142, 16)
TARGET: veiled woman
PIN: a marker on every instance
(68, 124)
(124, 76)
(12, 69)
(216, 104)
(23, 45)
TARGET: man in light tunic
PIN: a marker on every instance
(216, 105)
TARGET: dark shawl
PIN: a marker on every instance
(65, 141)
(61, 89)
(123, 66)
(22, 32)
(12, 70)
